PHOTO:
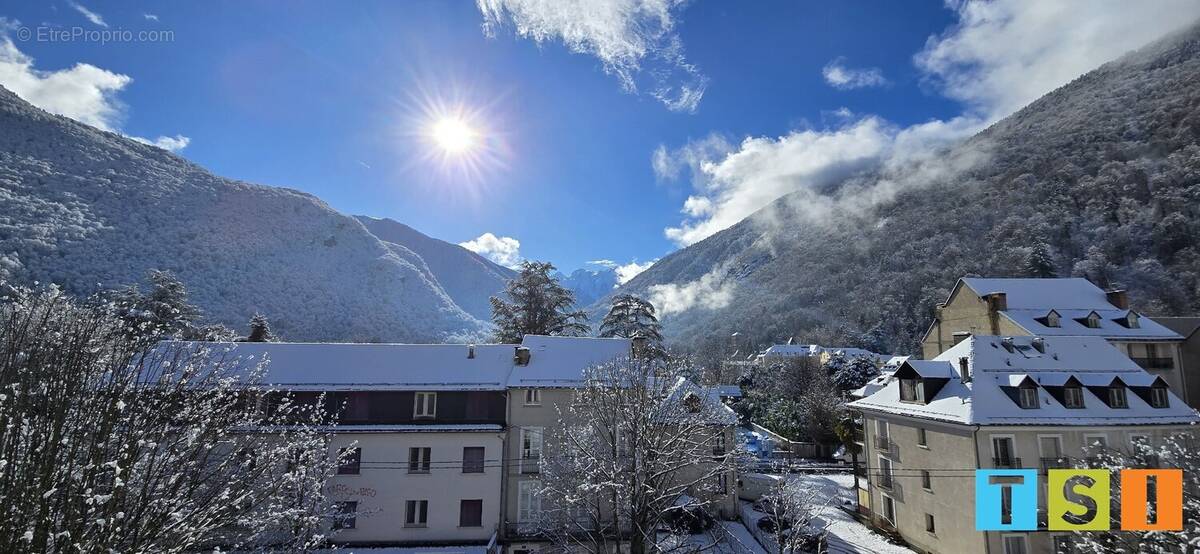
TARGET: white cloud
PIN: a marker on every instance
(707, 292)
(1002, 55)
(84, 92)
(841, 77)
(89, 14)
(634, 40)
(628, 271)
(174, 144)
(505, 251)
(150, 17)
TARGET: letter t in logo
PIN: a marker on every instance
(1006, 500)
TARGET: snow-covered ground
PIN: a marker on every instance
(846, 535)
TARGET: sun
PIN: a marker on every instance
(453, 135)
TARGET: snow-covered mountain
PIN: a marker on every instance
(589, 285)
(1100, 178)
(85, 209)
(469, 279)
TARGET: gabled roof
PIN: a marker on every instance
(1185, 326)
(1091, 361)
(348, 366)
(1029, 300)
(561, 361)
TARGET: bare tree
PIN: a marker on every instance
(637, 446)
(791, 508)
(106, 446)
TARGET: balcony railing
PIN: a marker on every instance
(892, 487)
(531, 463)
(1007, 463)
(1157, 362)
(1055, 463)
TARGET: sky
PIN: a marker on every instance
(584, 133)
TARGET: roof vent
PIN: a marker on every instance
(522, 356)
(470, 351)
(964, 369)
(1007, 343)
(1039, 344)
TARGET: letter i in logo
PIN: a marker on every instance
(1006, 500)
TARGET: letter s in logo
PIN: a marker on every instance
(1078, 499)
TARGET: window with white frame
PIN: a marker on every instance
(1029, 397)
(531, 448)
(529, 503)
(881, 429)
(885, 473)
(418, 459)
(1073, 396)
(416, 513)
(889, 509)
(1117, 398)
(1015, 544)
(533, 397)
(1158, 397)
(425, 404)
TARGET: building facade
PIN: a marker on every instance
(1189, 329)
(1053, 308)
(1001, 402)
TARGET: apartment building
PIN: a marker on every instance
(542, 385)
(423, 427)
(1189, 329)
(1000, 402)
(1055, 308)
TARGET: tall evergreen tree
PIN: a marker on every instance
(537, 305)
(1039, 263)
(631, 316)
(164, 310)
(260, 329)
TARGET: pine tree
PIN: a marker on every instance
(855, 373)
(537, 305)
(260, 329)
(1039, 262)
(631, 316)
(165, 310)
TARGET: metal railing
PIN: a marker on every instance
(892, 487)
(1007, 462)
(531, 464)
(1055, 463)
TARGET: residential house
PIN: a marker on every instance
(1189, 329)
(423, 428)
(1038, 402)
(816, 352)
(1055, 308)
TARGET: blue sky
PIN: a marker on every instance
(336, 100)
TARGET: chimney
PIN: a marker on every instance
(996, 301)
(1039, 344)
(964, 369)
(1118, 298)
(1007, 343)
(960, 336)
(522, 356)
(470, 351)
(639, 344)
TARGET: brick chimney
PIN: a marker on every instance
(996, 302)
(522, 356)
(1118, 298)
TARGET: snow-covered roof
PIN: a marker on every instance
(347, 366)
(1029, 300)
(560, 361)
(995, 367)
(730, 391)
(710, 402)
(803, 350)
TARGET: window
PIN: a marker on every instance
(533, 397)
(1014, 544)
(1029, 397)
(1132, 320)
(418, 459)
(1051, 449)
(1004, 452)
(529, 504)
(921, 438)
(929, 528)
(889, 509)
(719, 444)
(358, 407)
(1158, 397)
(1116, 397)
(416, 513)
(531, 449)
(425, 404)
(885, 473)
(470, 513)
(473, 459)
(910, 390)
(1073, 396)
(1095, 441)
(1092, 320)
(881, 429)
(926, 480)
(1151, 350)
(1053, 319)
(350, 461)
(343, 515)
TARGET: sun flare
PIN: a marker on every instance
(453, 135)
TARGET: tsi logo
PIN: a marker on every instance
(1078, 500)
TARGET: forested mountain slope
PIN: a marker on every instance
(1100, 178)
(469, 279)
(87, 209)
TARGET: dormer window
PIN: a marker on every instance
(1131, 320)
(1092, 321)
(1158, 396)
(1029, 397)
(1117, 398)
(1073, 396)
(1052, 319)
(911, 391)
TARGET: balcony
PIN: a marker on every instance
(1157, 362)
(1055, 463)
(1006, 463)
(883, 445)
(531, 463)
(892, 487)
